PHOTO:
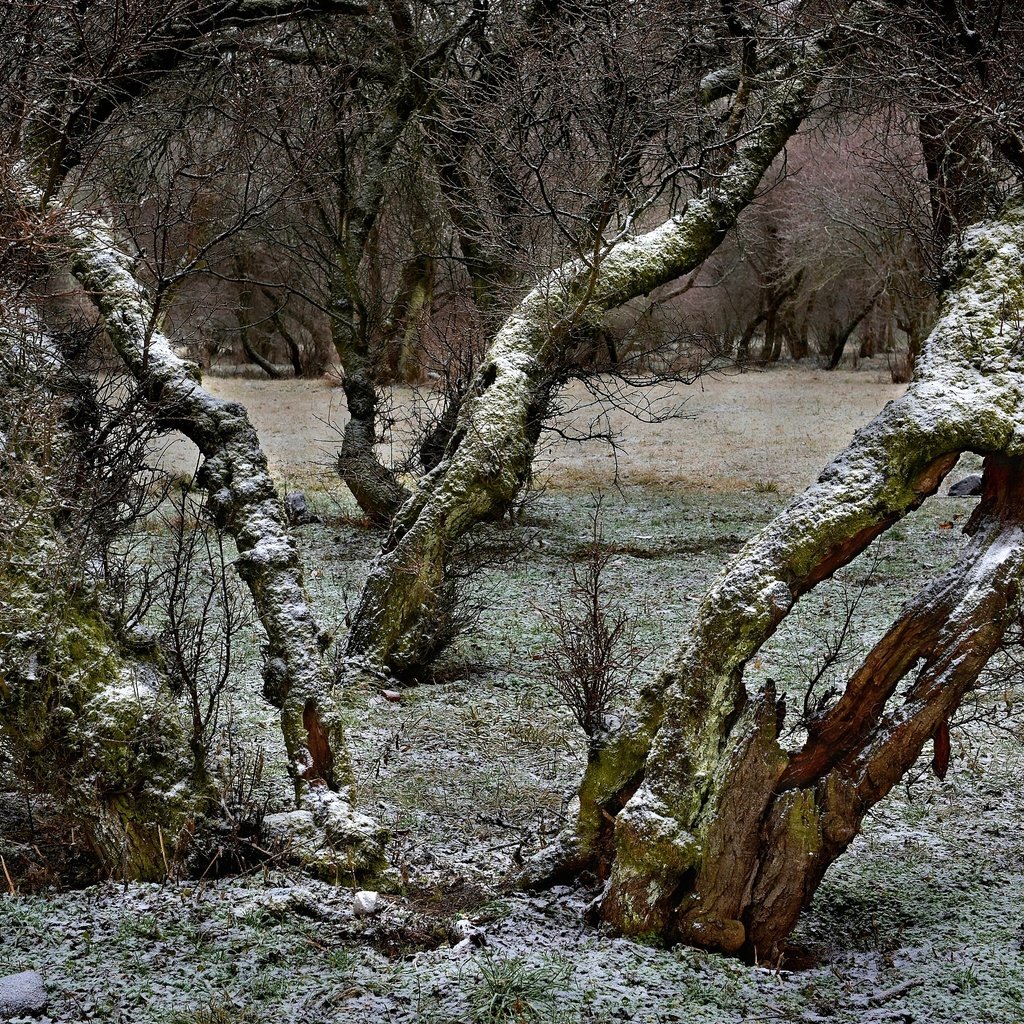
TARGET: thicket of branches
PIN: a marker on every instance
(505, 196)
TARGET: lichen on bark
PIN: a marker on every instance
(488, 458)
(733, 833)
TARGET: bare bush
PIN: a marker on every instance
(202, 605)
(592, 652)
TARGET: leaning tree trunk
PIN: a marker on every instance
(376, 489)
(708, 831)
(840, 339)
(403, 609)
(243, 500)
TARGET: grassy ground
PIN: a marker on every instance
(920, 921)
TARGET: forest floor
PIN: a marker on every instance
(919, 922)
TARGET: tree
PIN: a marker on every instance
(707, 829)
(59, 115)
(406, 601)
(721, 836)
(82, 713)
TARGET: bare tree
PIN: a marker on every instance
(73, 95)
(488, 458)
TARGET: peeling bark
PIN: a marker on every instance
(488, 458)
(727, 836)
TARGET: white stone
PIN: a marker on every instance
(22, 995)
(366, 904)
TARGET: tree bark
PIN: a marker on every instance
(244, 501)
(402, 610)
(708, 830)
(86, 721)
(376, 489)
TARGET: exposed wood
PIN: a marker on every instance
(689, 735)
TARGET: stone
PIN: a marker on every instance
(366, 904)
(296, 508)
(327, 836)
(22, 995)
(969, 487)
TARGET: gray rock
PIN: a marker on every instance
(969, 487)
(297, 509)
(22, 995)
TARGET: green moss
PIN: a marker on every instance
(803, 822)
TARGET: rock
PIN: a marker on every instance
(22, 995)
(394, 696)
(140, 639)
(366, 904)
(297, 509)
(969, 487)
(326, 836)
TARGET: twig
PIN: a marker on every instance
(163, 853)
(7, 875)
(891, 993)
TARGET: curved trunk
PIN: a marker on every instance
(488, 457)
(840, 339)
(244, 318)
(722, 836)
(244, 502)
(242, 496)
(373, 485)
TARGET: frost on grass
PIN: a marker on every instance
(925, 905)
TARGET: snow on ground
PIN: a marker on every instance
(919, 922)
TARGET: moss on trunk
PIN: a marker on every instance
(727, 836)
(488, 457)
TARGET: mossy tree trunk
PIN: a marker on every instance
(94, 728)
(403, 611)
(243, 500)
(708, 831)
(241, 496)
(85, 720)
(374, 485)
